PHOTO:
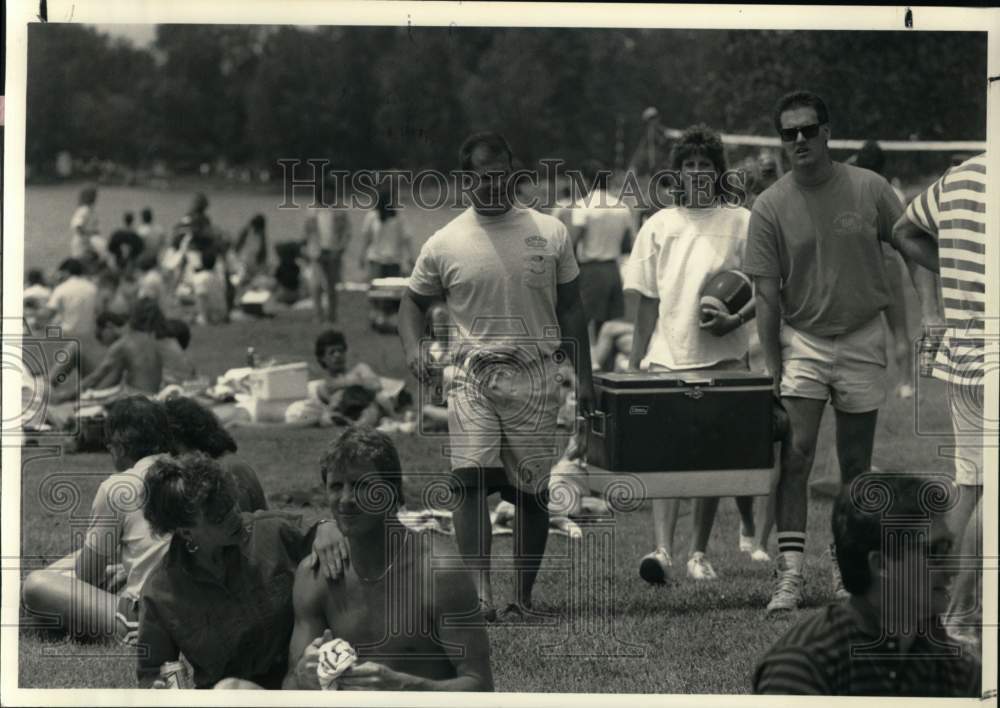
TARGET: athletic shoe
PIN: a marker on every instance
(759, 555)
(655, 568)
(788, 594)
(746, 543)
(837, 580)
(699, 568)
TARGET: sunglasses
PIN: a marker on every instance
(789, 135)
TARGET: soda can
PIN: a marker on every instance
(438, 396)
(175, 675)
(927, 350)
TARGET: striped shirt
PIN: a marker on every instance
(838, 651)
(953, 211)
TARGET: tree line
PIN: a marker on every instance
(387, 97)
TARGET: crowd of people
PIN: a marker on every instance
(250, 598)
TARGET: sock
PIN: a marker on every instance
(792, 546)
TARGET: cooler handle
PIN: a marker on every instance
(698, 382)
(597, 428)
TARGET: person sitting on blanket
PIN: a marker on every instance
(410, 613)
(87, 593)
(133, 360)
(221, 593)
(173, 343)
(356, 395)
(195, 428)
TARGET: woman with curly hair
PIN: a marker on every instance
(222, 595)
(676, 252)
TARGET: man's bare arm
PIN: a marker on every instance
(573, 326)
(412, 316)
(310, 623)
(915, 245)
(768, 308)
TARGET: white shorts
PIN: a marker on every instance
(506, 417)
(967, 421)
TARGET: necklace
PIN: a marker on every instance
(385, 572)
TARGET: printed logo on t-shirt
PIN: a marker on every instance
(536, 241)
(848, 222)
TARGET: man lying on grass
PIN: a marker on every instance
(405, 603)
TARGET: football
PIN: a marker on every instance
(727, 291)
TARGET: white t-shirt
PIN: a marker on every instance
(83, 227)
(75, 303)
(606, 220)
(208, 284)
(675, 253)
(153, 237)
(120, 532)
(499, 276)
(387, 238)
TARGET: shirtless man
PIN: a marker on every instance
(433, 639)
(134, 358)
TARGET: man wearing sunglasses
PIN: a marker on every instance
(815, 251)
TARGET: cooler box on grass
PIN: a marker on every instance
(287, 381)
(664, 421)
(384, 297)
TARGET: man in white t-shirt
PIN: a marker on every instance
(95, 591)
(602, 232)
(73, 302)
(509, 281)
(676, 252)
(154, 236)
(327, 235)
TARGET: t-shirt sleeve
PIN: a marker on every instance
(103, 537)
(55, 300)
(889, 210)
(762, 244)
(426, 276)
(788, 672)
(640, 269)
(566, 266)
(925, 208)
(578, 216)
(157, 641)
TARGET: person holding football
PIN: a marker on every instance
(676, 254)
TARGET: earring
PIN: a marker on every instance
(190, 547)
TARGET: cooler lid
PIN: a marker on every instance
(679, 379)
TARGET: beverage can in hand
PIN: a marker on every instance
(175, 675)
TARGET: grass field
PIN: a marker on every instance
(684, 638)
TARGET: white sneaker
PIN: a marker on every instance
(699, 568)
(746, 543)
(759, 555)
(655, 567)
(788, 594)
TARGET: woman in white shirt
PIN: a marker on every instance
(386, 251)
(677, 250)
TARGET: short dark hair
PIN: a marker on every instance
(73, 266)
(858, 513)
(110, 318)
(329, 338)
(364, 444)
(147, 215)
(495, 143)
(197, 428)
(88, 195)
(129, 218)
(179, 330)
(139, 425)
(871, 157)
(146, 316)
(180, 490)
(800, 99)
(700, 140)
(36, 277)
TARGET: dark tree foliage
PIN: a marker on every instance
(383, 97)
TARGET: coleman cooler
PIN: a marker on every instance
(649, 421)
